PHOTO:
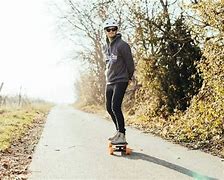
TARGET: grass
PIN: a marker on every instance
(15, 121)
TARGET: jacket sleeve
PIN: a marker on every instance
(128, 59)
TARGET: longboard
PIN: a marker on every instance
(119, 148)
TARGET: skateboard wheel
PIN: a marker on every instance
(110, 145)
(111, 151)
(128, 151)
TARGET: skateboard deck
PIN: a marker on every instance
(119, 148)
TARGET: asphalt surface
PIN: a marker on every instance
(74, 146)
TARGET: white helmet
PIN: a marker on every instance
(109, 23)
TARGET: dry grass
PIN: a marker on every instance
(14, 121)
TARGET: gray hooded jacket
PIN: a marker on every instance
(119, 61)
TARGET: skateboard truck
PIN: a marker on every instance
(119, 148)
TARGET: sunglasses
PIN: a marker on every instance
(111, 29)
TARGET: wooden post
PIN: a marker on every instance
(1, 98)
(1, 86)
(20, 96)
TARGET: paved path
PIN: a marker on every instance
(74, 146)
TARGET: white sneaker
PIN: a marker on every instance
(113, 137)
(119, 139)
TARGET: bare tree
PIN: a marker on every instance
(84, 22)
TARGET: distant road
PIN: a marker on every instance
(74, 146)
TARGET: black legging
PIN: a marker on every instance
(114, 97)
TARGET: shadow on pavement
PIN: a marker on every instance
(180, 169)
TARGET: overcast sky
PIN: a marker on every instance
(32, 56)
